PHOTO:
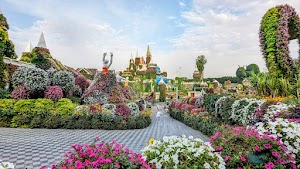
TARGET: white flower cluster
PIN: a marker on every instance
(218, 105)
(182, 152)
(6, 165)
(134, 108)
(244, 115)
(287, 132)
(274, 110)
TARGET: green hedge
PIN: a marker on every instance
(207, 126)
(44, 113)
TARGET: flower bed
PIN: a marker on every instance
(182, 152)
(101, 155)
(45, 113)
(265, 119)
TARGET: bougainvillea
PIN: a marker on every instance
(34, 79)
(20, 93)
(65, 80)
(54, 93)
(279, 25)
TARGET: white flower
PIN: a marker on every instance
(158, 165)
(175, 158)
(207, 165)
(6, 165)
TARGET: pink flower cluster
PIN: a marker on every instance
(122, 110)
(101, 155)
(54, 93)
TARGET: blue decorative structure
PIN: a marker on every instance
(160, 76)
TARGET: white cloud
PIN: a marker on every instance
(171, 17)
(182, 4)
(226, 32)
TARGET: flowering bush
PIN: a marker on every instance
(122, 110)
(51, 73)
(242, 110)
(246, 148)
(77, 91)
(81, 110)
(182, 152)
(82, 82)
(102, 155)
(54, 93)
(107, 115)
(95, 108)
(134, 108)
(142, 104)
(34, 79)
(96, 96)
(65, 80)
(286, 132)
(20, 93)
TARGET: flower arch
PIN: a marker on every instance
(278, 26)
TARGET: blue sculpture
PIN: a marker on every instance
(160, 76)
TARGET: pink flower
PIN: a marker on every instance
(269, 165)
(118, 165)
(243, 158)
(227, 158)
(267, 146)
(276, 154)
(257, 148)
(79, 164)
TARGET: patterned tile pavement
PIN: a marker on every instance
(33, 148)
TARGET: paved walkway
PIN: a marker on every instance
(33, 148)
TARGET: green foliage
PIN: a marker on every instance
(162, 93)
(3, 22)
(210, 101)
(7, 45)
(222, 80)
(252, 68)
(241, 73)
(24, 106)
(65, 106)
(267, 85)
(200, 62)
(40, 60)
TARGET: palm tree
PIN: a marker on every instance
(200, 62)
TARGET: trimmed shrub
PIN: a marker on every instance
(54, 93)
(34, 79)
(82, 82)
(122, 110)
(20, 93)
(65, 80)
(77, 91)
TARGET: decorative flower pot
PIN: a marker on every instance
(257, 159)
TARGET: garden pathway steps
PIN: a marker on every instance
(33, 148)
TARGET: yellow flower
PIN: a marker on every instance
(151, 141)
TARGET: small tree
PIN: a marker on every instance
(200, 62)
(241, 73)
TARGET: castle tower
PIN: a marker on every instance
(148, 56)
(29, 47)
(42, 42)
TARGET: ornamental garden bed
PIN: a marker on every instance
(247, 132)
(45, 113)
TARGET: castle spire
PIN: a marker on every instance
(42, 42)
(148, 55)
(131, 56)
(29, 47)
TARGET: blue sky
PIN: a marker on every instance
(78, 32)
